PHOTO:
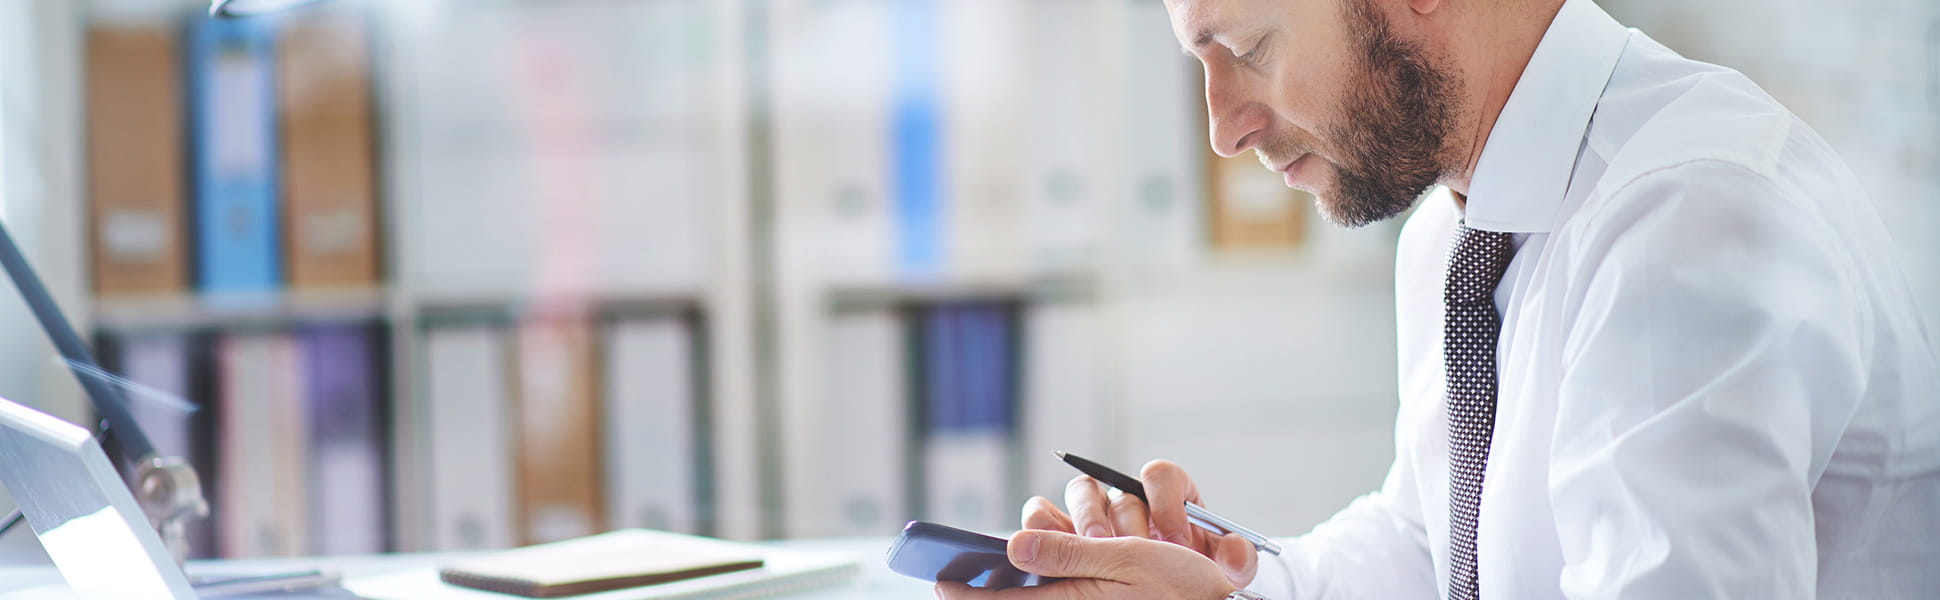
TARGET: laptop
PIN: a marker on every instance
(89, 523)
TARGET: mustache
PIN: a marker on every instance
(1276, 151)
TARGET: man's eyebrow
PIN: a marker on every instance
(1199, 41)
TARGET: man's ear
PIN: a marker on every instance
(1424, 7)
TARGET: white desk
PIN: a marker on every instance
(876, 580)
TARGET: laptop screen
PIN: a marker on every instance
(83, 513)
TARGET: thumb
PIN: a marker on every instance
(1237, 558)
(1058, 554)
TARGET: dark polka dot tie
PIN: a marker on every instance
(1469, 331)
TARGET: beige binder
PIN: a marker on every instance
(561, 492)
(323, 83)
(135, 143)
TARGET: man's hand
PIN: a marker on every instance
(1097, 514)
(1130, 568)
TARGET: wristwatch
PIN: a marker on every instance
(1244, 595)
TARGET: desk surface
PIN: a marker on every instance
(877, 581)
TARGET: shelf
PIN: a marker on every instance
(238, 310)
(1079, 286)
(632, 302)
(279, 308)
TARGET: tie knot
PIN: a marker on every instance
(1475, 266)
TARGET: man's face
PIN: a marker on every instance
(1328, 93)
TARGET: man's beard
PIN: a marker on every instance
(1394, 126)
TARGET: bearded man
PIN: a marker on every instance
(1654, 340)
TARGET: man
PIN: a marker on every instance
(1653, 342)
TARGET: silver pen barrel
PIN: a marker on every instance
(1217, 524)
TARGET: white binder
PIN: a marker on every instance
(985, 98)
(1064, 407)
(1161, 215)
(650, 432)
(832, 86)
(964, 481)
(467, 438)
(263, 484)
(857, 483)
(1069, 121)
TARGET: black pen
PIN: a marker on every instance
(1196, 514)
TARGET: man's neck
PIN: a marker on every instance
(1503, 38)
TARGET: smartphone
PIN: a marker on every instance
(933, 552)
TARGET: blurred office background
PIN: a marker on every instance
(439, 275)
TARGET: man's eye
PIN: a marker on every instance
(1252, 57)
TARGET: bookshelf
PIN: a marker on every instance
(711, 223)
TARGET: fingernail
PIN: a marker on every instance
(1027, 547)
(1096, 531)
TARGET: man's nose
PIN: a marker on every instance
(1236, 122)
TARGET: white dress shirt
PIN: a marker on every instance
(1713, 379)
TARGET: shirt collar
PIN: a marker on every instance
(1526, 164)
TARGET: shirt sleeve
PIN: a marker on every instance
(1374, 548)
(1713, 356)
(1377, 547)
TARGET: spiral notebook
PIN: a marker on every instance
(689, 568)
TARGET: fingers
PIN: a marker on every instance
(1092, 568)
(1128, 515)
(1030, 550)
(1169, 489)
(1090, 514)
(1053, 554)
(1237, 558)
(1041, 513)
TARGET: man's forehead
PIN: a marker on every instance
(1196, 22)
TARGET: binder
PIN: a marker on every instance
(651, 425)
(832, 97)
(156, 365)
(323, 81)
(468, 437)
(984, 98)
(136, 183)
(264, 448)
(460, 178)
(1067, 120)
(1161, 220)
(917, 145)
(344, 397)
(1064, 406)
(854, 480)
(233, 120)
(970, 388)
(161, 369)
(560, 490)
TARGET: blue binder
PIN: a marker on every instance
(970, 388)
(916, 149)
(994, 383)
(344, 396)
(232, 122)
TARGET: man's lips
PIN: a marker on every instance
(1292, 171)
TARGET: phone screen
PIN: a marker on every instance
(933, 552)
